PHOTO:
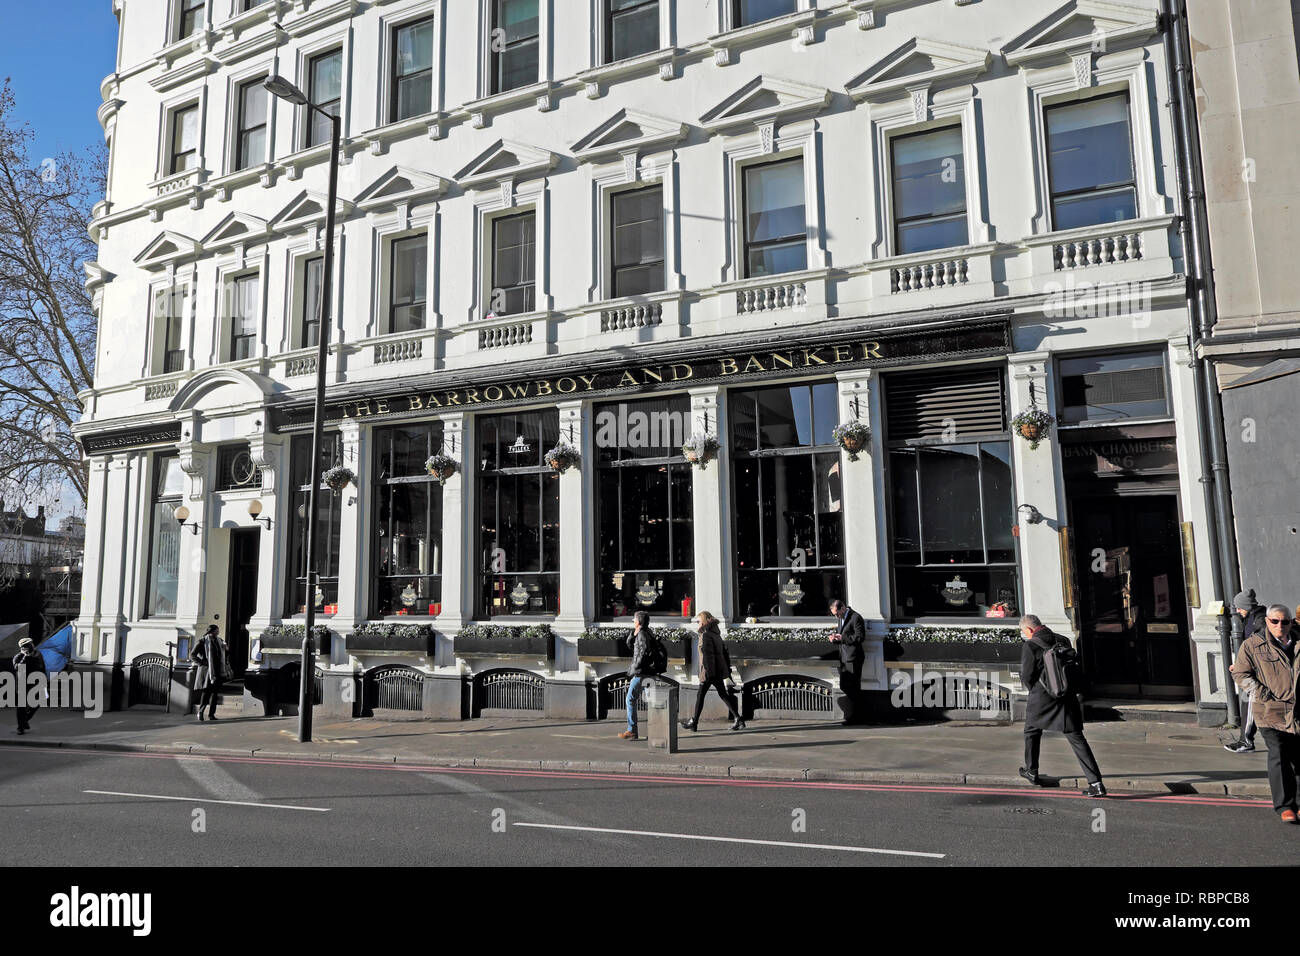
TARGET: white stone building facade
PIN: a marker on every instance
(767, 218)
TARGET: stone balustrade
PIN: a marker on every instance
(631, 317)
(1097, 250)
(930, 275)
(771, 298)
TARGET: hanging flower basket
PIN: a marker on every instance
(852, 437)
(700, 449)
(338, 478)
(562, 457)
(1033, 425)
(441, 467)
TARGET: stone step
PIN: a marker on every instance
(1165, 712)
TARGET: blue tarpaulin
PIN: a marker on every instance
(57, 649)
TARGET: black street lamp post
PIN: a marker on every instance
(282, 88)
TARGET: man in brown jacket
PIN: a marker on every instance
(1268, 667)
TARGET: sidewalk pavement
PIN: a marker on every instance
(1134, 756)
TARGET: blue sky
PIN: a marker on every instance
(55, 52)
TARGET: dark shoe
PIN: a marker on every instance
(628, 735)
(1242, 746)
(739, 724)
(200, 716)
(1031, 776)
(1289, 816)
(689, 725)
(21, 730)
(212, 716)
(1097, 789)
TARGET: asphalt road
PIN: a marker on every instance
(73, 808)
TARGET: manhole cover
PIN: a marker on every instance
(1028, 810)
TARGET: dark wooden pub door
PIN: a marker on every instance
(241, 604)
(1133, 622)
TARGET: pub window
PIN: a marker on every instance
(236, 470)
(412, 79)
(169, 316)
(786, 481)
(746, 12)
(775, 227)
(325, 90)
(250, 140)
(410, 260)
(189, 17)
(644, 538)
(1090, 162)
(638, 241)
(514, 42)
(1100, 388)
(951, 495)
(165, 540)
(408, 522)
(929, 191)
(631, 28)
(243, 317)
(313, 276)
(514, 260)
(518, 514)
(328, 522)
(183, 150)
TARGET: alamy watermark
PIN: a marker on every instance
(948, 690)
(75, 690)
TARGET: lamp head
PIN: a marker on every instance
(182, 514)
(254, 508)
(282, 88)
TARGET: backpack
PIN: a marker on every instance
(1057, 661)
(656, 654)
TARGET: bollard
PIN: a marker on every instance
(661, 702)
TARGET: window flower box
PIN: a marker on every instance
(534, 640)
(288, 637)
(782, 644)
(393, 636)
(956, 644)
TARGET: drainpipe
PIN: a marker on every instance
(1201, 318)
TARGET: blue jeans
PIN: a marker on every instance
(634, 690)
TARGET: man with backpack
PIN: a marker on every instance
(649, 659)
(1048, 667)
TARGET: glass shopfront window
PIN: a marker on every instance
(408, 522)
(328, 522)
(644, 508)
(518, 514)
(789, 504)
(951, 496)
(165, 541)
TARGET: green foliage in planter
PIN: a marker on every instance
(491, 632)
(388, 630)
(668, 634)
(292, 631)
(955, 635)
(792, 635)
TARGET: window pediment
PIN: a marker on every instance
(920, 62)
(401, 185)
(307, 208)
(238, 227)
(505, 161)
(628, 131)
(765, 99)
(166, 247)
(1077, 27)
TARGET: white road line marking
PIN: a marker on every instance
(720, 839)
(233, 803)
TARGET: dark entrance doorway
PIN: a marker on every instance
(1133, 606)
(241, 601)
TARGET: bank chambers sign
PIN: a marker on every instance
(971, 339)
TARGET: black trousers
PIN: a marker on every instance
(208, 698)
(728, 698)
(1082, 752)
(25, 717)
(1283, 765)
(851, 685)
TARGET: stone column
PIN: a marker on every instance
(354, 531)
(192, 579)
(459, 547)
(1038, 482)
(576, 522)
(268, 454)
(93, 561)
(711, 501)
(115, 549)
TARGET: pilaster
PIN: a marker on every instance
(576, 521)
(710, 495)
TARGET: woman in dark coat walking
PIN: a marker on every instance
(714, 671)
(212, 669)
(1062, 715)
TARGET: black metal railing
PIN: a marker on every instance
(150, 674)
(395, 687)
(790, 694)
(509, 690)
(612, 695)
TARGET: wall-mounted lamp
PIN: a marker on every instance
(182, 516)
(255, 512)
(1032, 514)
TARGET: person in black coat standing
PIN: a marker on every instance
(714, 669)
(27, 662)
(1062, 715)
(851, 636)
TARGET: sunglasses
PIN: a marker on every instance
(1279, 620)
